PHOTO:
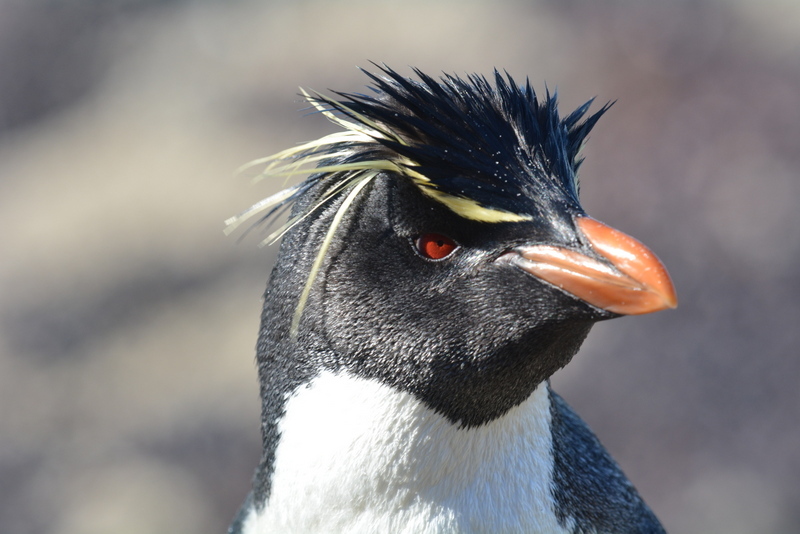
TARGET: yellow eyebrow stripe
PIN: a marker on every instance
(469, 209)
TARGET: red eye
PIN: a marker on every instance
(435, 246)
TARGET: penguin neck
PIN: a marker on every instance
(357, 455)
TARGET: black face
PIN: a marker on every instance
(468, 333)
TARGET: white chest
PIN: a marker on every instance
(358, 456)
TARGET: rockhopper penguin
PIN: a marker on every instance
(435, 270)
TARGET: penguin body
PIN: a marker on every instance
(432, 276)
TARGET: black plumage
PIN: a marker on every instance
(430, 128)
(490, 170)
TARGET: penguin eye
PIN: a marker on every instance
(435, 246)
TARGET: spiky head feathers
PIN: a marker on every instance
(483, 151)
(489, 153)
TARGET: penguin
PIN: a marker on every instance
(435, 269)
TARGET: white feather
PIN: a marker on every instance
(357, 456)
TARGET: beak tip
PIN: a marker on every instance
(671, 301)
(666, 292)
(635, 260)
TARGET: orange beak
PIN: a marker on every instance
(632, 281)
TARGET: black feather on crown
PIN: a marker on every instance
(485, 152)
(489, 144)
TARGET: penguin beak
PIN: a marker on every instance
(631, 280)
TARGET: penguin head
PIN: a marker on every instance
(440, 246)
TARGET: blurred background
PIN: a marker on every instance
(128, 394)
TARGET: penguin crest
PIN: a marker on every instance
(423, 131)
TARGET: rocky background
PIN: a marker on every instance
(128, 395)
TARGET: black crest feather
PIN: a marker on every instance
(485, 151)
(463, 137)
(475, 140)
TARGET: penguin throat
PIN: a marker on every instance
(356, 455)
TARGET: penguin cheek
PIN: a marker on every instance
(404, 308)
(516, 298)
